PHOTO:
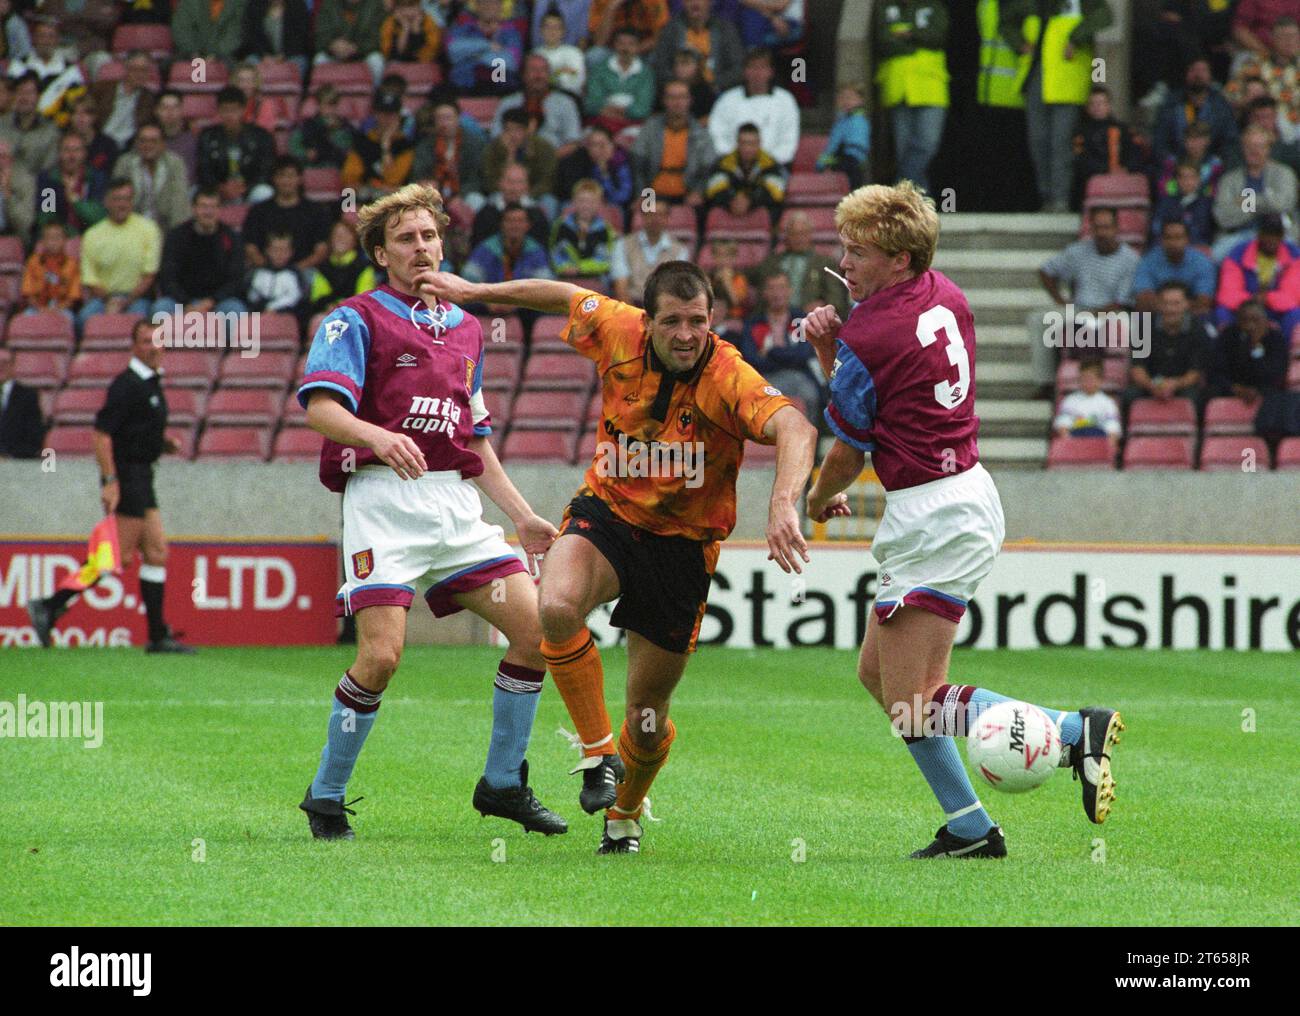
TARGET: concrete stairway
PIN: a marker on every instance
(995, 260)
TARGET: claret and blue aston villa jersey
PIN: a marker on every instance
(407, 368)
(903, 384)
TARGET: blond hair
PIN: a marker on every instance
(373, 219)
(895, 219)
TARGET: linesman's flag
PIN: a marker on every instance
(102, 557)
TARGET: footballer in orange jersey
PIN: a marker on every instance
(678, 404)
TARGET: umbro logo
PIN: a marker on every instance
(407, 360)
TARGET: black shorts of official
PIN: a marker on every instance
(663, 580)
(135, 481)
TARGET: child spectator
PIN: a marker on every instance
(409, 35)
(568, 65)
(1189, 205)
(1196, 150)
(279, 286)
(346, 272)
(263, 110)
(1102, 144)
(1089, 412)
(850, 142)
(688, 67)
(725, 278)
(324, 138)
(52, 278)
(582, 241)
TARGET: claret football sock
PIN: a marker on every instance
(351, 718)
(575, 666)
(515, 695)
(940, 764)
(642, 768)
(950, 698)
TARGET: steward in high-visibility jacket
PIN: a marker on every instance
(1069, 24)
(1002, 69)
(909, 38)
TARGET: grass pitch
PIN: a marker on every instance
(786, 799)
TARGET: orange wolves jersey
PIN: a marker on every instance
(668, 452)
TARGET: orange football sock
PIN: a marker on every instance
(576, 669)
(642, 768)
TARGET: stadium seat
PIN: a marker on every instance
(1229, 415)
(46, 330)
(40, 368)
(539, 446)
(354, 108)
(1229, 454)
(552, 371)
(823, 223)
(233, 215)
(809, 151)
(76, 441)
(296, 444)
(586, 450)
(502, 331)
(251, 407)
(321, 183)
(278, 332)
(1080, 453)
(420, 78)
(1157, 416)
(816, 190)
(349, 78)
(1157, 452)
(234, 443)
(12, 257)
(108, 331)
(266, 370)
(156, 40)
(115, 70)
(10, 290)
(1118, 190)
(199, 109)
(595, 410)
(502, 369)
(184, 405)
(1288, 453)
(536, 410)
(190, 368)
(181, 77)
(292, 414)
(281, 78)
(720, 224)
(498, 406)
(682, 224)
(76, 406)
(548, 328)
(95, 369)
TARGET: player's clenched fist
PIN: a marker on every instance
(822, 325)
(400, 452)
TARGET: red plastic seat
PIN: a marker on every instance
(321, 183)
(1228, 415)
(822, 219)
(291, 413)
(74, 441)
(808, 151)
(420, 78)
(595, 410)
(252, 407)
(354, 108)
(278, 332)
(720, 224)
(190, 368)
(280, 78)
(1288, 453)
(1156, 416)
(40, 368)
(1234, 454)
(816, 190)
(233, 215)
(266, 370)
(349, 78)
(296, 444)
(682, 224)
(1118, 190)
(95, 369)
(558, 370)
(498, 407)
(1080, 453)
(586, 450)
(46, 330)
(108, 331)
(156, 40)
(12, 257)
(502, 330)
(234, 443)
(542, 409)
(539, 446)
(501, 369)
(548, 328)
(199, 109)
(1162, 452)
(216, 76)
(184, 405)
(77, 406)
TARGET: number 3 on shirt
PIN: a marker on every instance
(928, 326)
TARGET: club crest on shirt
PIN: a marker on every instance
(589, 304)
(363, 562)
(684, 420)
(334, 330)
(769, 390)
(469, 375)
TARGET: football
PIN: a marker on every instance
(1014, 746)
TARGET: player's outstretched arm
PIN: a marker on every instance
(546, 295)
(326, 415)
(842, 465)
(535, 534)
(796, 448)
